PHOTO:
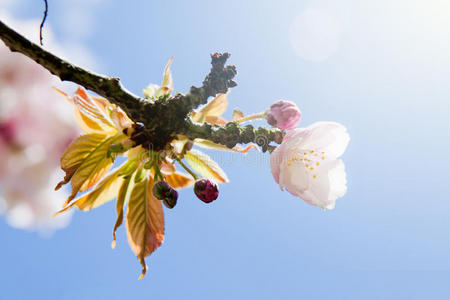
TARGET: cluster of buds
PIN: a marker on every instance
(205, 190)
(164, 192)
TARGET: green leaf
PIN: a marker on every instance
(204, 165)
(139, 175)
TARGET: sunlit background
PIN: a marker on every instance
(381, 68)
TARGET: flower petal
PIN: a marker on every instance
(329, 137)
(276, 158)
(328, 185)
(293, 175)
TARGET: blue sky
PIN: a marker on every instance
(386, 80)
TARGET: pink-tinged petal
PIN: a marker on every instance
(276, 158)
(296, 134)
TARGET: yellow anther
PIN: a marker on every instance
(315, 176)
(323, 157)
(317, 164)
(311, 168)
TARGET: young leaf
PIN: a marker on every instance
(167, 168)
(179, 180)
(102, 103)
(90, 115)
(87, 124)
(144, 221)
(76, 153)
(122, 197)
(104, 191)
(154, 90)
(204, 165)
(151, 90)
(237, 114)
(211, 145)
(90, 108)
(214, 108)
(215, 120)
(167, 77)
(93, 168)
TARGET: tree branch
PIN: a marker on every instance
(232, 134)
(160, 119)
(108, 87)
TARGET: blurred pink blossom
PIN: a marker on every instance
(35, 127)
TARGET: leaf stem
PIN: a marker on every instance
(158, 175)
(195, 176)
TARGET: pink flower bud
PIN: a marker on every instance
(283, 114)
(206, 190)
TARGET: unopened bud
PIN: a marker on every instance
(171, 200)
(283, 114)
(163, 191)
(206, 190)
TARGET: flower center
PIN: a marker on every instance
(310, 159)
